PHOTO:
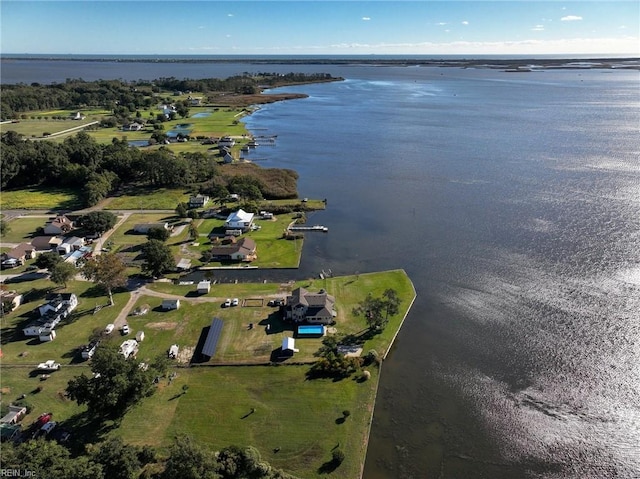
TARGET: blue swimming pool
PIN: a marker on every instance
(311, 330)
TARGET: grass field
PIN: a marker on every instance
(45, 198)
(148, 199)
(22, 228)
(302, 418)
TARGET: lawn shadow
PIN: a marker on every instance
(275, 324)
(328, 467)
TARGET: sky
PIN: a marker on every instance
(320, 27)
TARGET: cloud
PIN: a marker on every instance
(229, 14)
(571, 18)
(441, 23)
(464, 22)
(366, 19)
(538, 28)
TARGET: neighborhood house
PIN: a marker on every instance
(198, 201)
(239, 220)
(243, 249)
(59, 306)
(59, 225)
(305, 307)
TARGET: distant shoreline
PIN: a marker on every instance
(498, 61)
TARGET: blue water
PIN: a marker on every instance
(310, 330)
(203, 114)
(138, 142)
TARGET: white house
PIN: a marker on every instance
(135, 126)
(304, 306)
(68, 245)
(169, 304)
(62, 304)
(239, 220)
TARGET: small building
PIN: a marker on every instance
(45, 243)
(198, 201)
(11, 297)
(135, 126)
(140, 336)
(14, 415)
(211, 342)
(144, 228)
(289, 346)
(169, 304)
(47, 335)
(184, 264)
(129, 348)
(77, 116)
(59, 225)
(204, 287)
(87, 352)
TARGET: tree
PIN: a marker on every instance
(188, 460)
(48, 260)
(62, 272)
(106, 270)
(337, 456)
(118, 460)
(378, 310)
(181, 210)
(193, 231)
(98, 222)
(4, 228)
(158, 258)
(116, 385)
(157, 233)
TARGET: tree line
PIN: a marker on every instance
(96, 170)
(73, 94)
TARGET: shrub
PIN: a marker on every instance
(337, 456)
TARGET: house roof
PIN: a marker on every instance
(42, 243)
(61, 222)
(20, 250)
(312, 300)
(239, 215)
(245, 246)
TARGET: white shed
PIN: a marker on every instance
(168, 304)
(140, 336)
(289, 345)
(204, 287)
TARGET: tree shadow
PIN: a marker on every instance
(328, 467)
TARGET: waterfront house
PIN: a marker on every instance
(307, 307)
(242, 250)
(59, 225)
(239, 220)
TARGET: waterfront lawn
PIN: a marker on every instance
(47, 198)
(124, 234)
(22, 228)
(301, 418)
(272, 249)
(148, 199)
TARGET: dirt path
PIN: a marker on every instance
(97, 249)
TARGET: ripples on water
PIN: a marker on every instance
(514, 203)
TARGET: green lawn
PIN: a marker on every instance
(40, 198)
(300, 417)
(23, 228)
(148, 199)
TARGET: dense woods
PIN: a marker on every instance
(97, 170)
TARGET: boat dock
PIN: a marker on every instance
(324, 229)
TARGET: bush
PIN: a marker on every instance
(337, 456)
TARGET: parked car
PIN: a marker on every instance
(235, 302)
(125, 329)
(110, 327)
(227, 303)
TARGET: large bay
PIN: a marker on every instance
(513, 202)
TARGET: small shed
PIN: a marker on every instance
(14, 415)
(140, 336)
(173, 351)
(169, 304)
(47, 335)
(289, 346)
(204, 287)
